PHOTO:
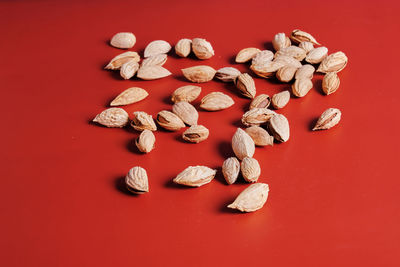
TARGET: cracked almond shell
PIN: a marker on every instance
(328, 119)
(136, 180)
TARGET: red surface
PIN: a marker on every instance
(334, 194)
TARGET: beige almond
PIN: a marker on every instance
(129, 69)
(123, 40)
(112, 117)
(157, 47)
(196, 134)
(145, 142)
(250, 169)
(183, 47)
(306, 71)
(216, 101)
(152, 72)
(280, 41)
(260, 136)
(301, 87)
(286, 73)
(262, 57)
(307, 46)
(246, 54)
(227, 74)
(299, 36)
(245, 83)
(328, 119)
(129, 96)
(186, 112)
(330, 83)
(199, 74)
(292, 51)
(117, 62)
(231, 169)
(278, 126)
(260, 101)
(202, 48)
(252, 198)
(242, 144)
(288, 60)
(186, 93)
(268, 69)
(281, 99)
(142, 121)
(195, 176)
(158, 59)
(257, 116)
(169, 121)
(137, 181)
(316, 55)
(333, 63)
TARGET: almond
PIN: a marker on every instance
(252, 198)
(231, 169)
(112, 117)
(142, 121)
(136, 180)
(196, 134)
(299, 36)
(186, 93)
(262, 57)
(250, 169)
(307, 46)
(260, 136)
(278, 126)
(227, 74)
(117, 62)
(195, 176)
(245, 83)
(246, 54)
(286, 73)
(292, 51)
(123, 40)
(158, 59)
(328, 119)
(145, 141)
(316, 55)
(216, 101)
(257, 116)
(186, 112)
(169, 121)
(301, 87)
(268, 69)
(202, 48)
(330, 83)
(242, 144)
(152, 72)
(129, 69)
(288, 60)
(306, 71)
(183, 47)
(157, 47)
(333, 63)
(260, 101)
(281, 99)
(280, 41)
(129, 96)
(199, 74)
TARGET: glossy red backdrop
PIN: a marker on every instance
(333, 194)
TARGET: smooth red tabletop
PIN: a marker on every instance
(334, 194)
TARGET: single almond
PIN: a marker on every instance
(328, 119)
(183, 47)
(278, 126)
(157, 47)
(117, 62)
(136, 180)
(152, 72)
(281, 99)
(123, 40)
(268, 69)
(245, 83)
(287, 60)
(186, 112)
(252, 198)
(316, 55)
(301, 87)
(129, 96)
(196, 134)
(202, 48)
(227, 74)
(242, 144)
(169, 121)
(257, 116)
(330, 83)
(112, 117)
(306, 71)
(186, 93)
(307, 46)
(199, 74)
(292, 51)
(299, 36)
(286, 73)
(262, 57)
(260, 101)
(142, 121)
(250, 169)
(145, 142)
(246, 54)
(280, 41)
(231, 169)
(129, 69)
(333, 63)
(195, 176)
(260, 136)
(158, 59)
(216, 101)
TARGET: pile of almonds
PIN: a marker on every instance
(295, 63)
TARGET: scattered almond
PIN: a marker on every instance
(246, 85)
(252, 198)
(169, 121)
(129, 69)
(330, 83)
(287, 60)
(278, 126)
(117, 62)
(333, 63)
(286, 73)
(227, 74)
(242, 144)
(112, 117)
(142, 121)
(216, 101)
(262, 57)
(195, 134)
(260, 101)
(316, 55)
(328, 119)
(129, 96)
(202, 48)
(145, 142)
(307, 46)
(246, 54)
(281, 99)
(157, 47)
(231, 169)
(186, 112)
(260, 136)
(280, 41)
(301, 87)
(186, 93)
(268, 69)
(292, 51)
(306, 71)
(199, 74)
(123, 40)
(195, 176)
(158, 59)
(257, 116)
(183, 47)
(250, 169)
(152, 72)
(299, 36)
(136, 180)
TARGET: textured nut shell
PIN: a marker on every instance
(260, 136)
(260, 101)
(159, 60)
(280, 41)
(328, 119)
(316, 55)
(202, 48)
(242, 144)
(301, 87)
(196, 134)
(330, 83)
(129, 96)
(152, 72)
(186, 112)
(246, 54)
(129, 69)
(216, 101)
(278, 126)
(286, 73)
(112, 117)
(288, 60)
(186, 93)
(292, 51)
(299, 36)
(117, 62)
(143, 121)
(227, 74)
(136, 180)
(231, 169)
(199, 74)
(250, 169)
(252, 198)
(169, 121)
(157, 47)
(306, 71)
(307, 46)
(245, 83)
(195, 176)
(123, 40)
(268, 69)
(257, 116)
(281, 99)
(183, 47)
(145, 142)
(333, 63)
(262, 57)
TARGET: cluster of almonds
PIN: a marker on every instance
(285, 64)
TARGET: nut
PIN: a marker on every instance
(152, 72)
(202, 48)
(268, 69)
(231, 169)
(158, 59)
(316, 55)
(280, 41)
(330, 83)
(333, 63)
(186, 93)
(216, 101)
(262, 57)
(301, 87)
(328, 119)
(227, 74)
(306, 71)
(129, 69)
(246, 85)
(242, 144)
(142, 121)
(169, 121)
(129, 96)
(123, 40)
(195, 176)
(307, 46)
(117, 62)
(278, 126)
(246, 54)
(136, 180)
(260, 136)
(260, 101)
(157, 47)
(250, 169)
(195, 134)
(286, 73)
(112, 117)
(257, 116)
(292, 51)
(183, 47)
(145, 141)
(299, 36)
(186, 112)
(281, 99)
(199, 74)
(252, 198)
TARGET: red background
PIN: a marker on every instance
(333, 194)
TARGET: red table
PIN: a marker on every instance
(333, 194)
